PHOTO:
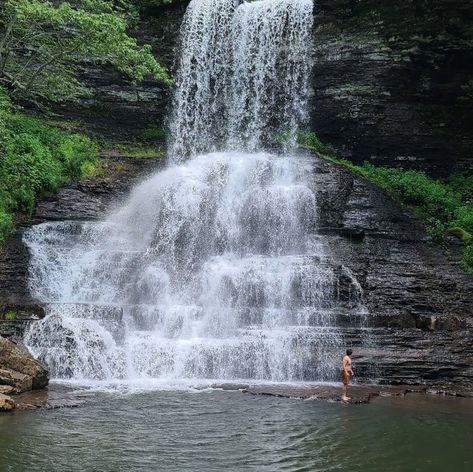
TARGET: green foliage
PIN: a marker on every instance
(43, 43)
(154, 133)
(467, 261)
(305, 140)
(446, 206)
(461, 234)
(6, 221)
(312, 142)
(462, 185)
(133, 150)
(36, 159)
(10, 315)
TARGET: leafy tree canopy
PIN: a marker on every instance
(42, 44)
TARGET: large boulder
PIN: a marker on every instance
(19, 369)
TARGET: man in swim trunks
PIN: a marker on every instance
(347, 374)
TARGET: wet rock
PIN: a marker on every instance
(6, 403)
(14, 259)
(15, 318)
(332, 393)
(49, 398)
(91, 199)
(19, 368)
(19, 382)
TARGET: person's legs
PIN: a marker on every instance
(344, 388)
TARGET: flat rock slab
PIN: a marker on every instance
(59, 396)
(46, 399)
(357, 393)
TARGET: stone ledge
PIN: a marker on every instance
(328, 392)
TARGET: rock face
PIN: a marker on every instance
(392, 83)
(420, 304)
(19, 370)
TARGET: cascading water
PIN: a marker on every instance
(213, 269)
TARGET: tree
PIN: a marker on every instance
(43, 43)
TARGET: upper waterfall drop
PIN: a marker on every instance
(243, 75)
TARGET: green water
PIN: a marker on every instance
(216, 431)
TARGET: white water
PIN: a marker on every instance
(244, 75)
(213, 269)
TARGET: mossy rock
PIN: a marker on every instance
(460, 233)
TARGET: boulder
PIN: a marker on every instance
(6, 403)
(19, 382)
(18, 368)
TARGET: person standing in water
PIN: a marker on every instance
(347, 374)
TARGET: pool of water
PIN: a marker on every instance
(217, 430)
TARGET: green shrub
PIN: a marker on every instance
(462, 185)
(154, 133)
(312, 142)
(36, 159)
(467, 261)
(460, 233)
(463, 217)
(6, 224)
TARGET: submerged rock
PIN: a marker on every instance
(19, 369)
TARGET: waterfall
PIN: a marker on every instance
(213, 268)
(243, 75)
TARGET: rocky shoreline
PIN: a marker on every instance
(19, 373)
(61, 396)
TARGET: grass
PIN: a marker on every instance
(143, 151)
(36, 159)
(445, 206)
(10, 315)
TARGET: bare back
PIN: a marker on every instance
(346, 364)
